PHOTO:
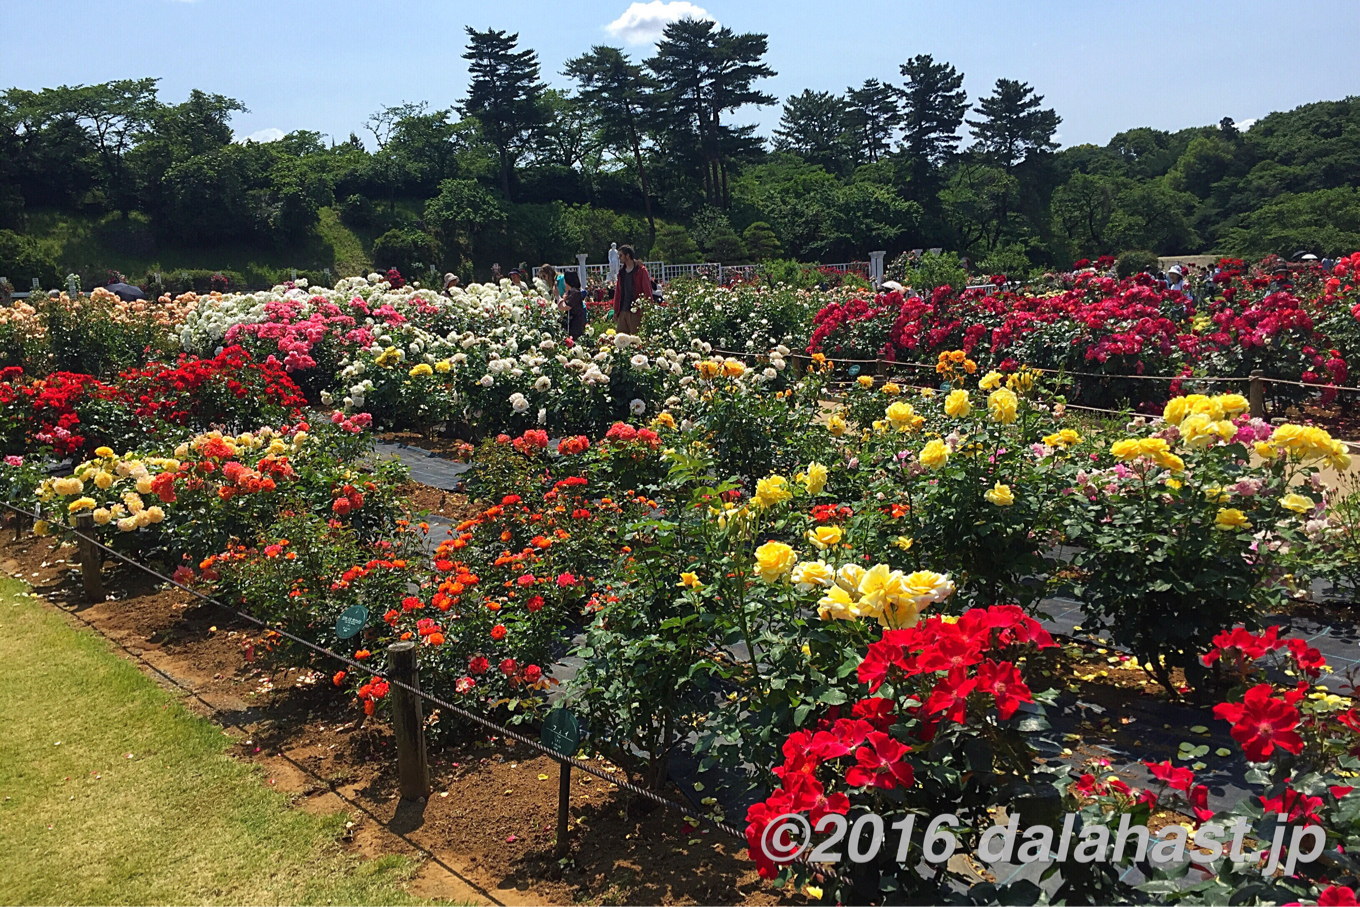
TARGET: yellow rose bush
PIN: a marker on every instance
(1185, 523)
(972, 486)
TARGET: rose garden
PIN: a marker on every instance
(1083, 545)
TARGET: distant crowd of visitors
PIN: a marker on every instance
(629, 286)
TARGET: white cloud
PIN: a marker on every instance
(643, 23)
(272, 134)
(1244, 125)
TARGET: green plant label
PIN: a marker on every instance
(561, 732)
(852, 371)
(351, 622)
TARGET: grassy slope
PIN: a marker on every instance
(110, 242)
(178, 822)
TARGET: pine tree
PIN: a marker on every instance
(933, 107)
(704, 72)
(504, 95)
(615, 95)
(872, 115)
(813, 126)
(1012, 124)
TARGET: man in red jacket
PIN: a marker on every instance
(632, 288)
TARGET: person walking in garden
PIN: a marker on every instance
(632, 287)
(573, 305)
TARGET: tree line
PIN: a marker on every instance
(653, 152)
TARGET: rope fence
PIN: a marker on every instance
(1256, 382)
(91, 544)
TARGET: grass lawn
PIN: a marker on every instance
(113, 793)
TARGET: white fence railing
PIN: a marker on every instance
(713, 270)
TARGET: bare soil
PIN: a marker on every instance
(449, 504)
(486, 835)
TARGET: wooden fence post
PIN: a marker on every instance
(563, 808)
(413, 767)
(1256, 394)
(89, 556)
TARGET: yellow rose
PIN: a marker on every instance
(901, 415)
(127, 524)
(102, 480)
(1339, 457)
(1231, 519)
(1022, 381)
(956, 405)
(1197, 430)
(1265, 450)
(154, 513)
(443, 366)
(1064, 438)
(1002, 405)
(80, 504)
(422, 370)
(740, 515)
(891, 389)
(771, 490)
(690, 581)
(865, 381)
(774, 560)
(708, 369)
(935, 454)
(664, 420)
(835, 424)
(68, 486)
(1124, 450)
(903, 543)
(1233, 404)
(144, 485)
(41, 528)
(1152, 447)
(848, 576)
(1216, 493)
(1169, 461)
(1000, 495)
(102, 517)
(1296, 502)
(808, 575)
(907, 595)
(104, 453)
(990, 381)
(1205, 406)
(824, 537)
(837, 604)
(732, 368)
(927, 587)
(815, 478)
(1176, 410)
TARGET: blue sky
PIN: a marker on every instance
(299, 64)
